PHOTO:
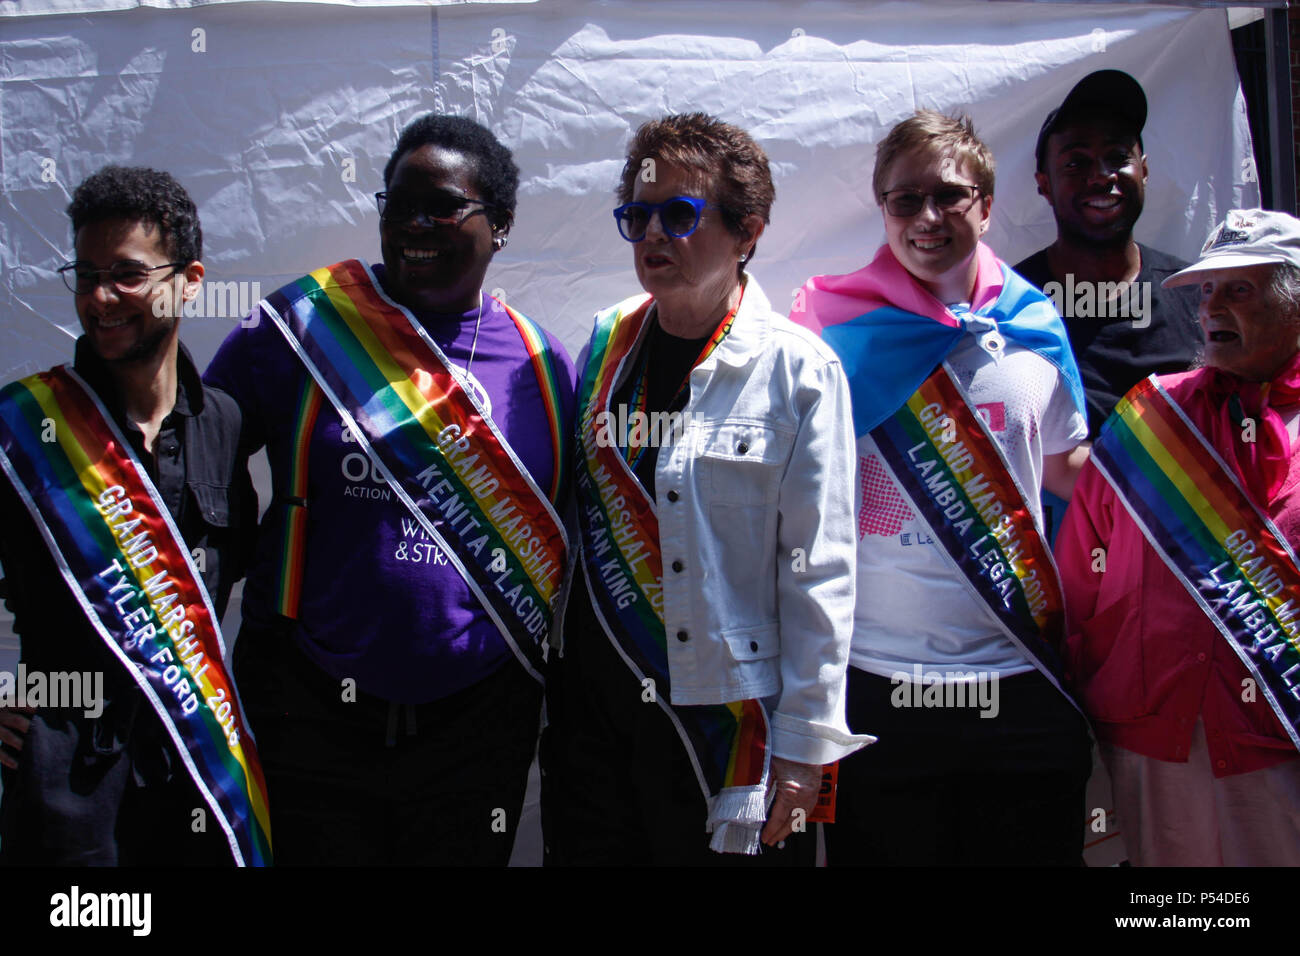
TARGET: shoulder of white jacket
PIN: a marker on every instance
(800, 341)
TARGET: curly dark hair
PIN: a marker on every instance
(732, 164)
(143, 195)
(495, 172)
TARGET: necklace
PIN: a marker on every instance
(474, 345)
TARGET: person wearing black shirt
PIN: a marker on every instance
(111, 789)
(1123, 326)
(1091, 170)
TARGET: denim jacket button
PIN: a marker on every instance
(682, 636)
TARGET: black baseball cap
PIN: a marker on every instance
(1108, 91)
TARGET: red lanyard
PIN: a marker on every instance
(633, 451)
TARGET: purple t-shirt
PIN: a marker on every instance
(380, 602)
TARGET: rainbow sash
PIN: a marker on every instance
(293, 546)
(727, 743)
(119, 550)
(428, 436)
(954, 473)
(1232, 559)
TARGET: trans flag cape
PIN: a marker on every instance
(890, 333)
(892, 337)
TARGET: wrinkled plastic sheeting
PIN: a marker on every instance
(34, 8)
(280, 126)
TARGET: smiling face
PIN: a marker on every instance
(435, 267)
(130, 327)
(1246, 332)
(690, 276)
(938, 248)
(1094, 179)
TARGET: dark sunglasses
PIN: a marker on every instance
(443, 209)
(905, 203)
(679, 217)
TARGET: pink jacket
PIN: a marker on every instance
(1142, 658)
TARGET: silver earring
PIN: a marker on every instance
(499, 243)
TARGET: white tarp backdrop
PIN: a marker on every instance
(279, 117)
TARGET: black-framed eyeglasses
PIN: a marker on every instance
(954, 198)
(442, 209)
(679, 217)
(127, 277)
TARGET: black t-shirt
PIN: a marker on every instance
(1114, 344)
(670, 361)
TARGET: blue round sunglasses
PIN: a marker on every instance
(679, 217)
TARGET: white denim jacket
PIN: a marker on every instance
(755, 501)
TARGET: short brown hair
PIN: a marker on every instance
(947, 135)
(725, 156)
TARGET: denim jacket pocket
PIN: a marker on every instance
(741, 462)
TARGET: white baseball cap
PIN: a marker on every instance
(1246, 237)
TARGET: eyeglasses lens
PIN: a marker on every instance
(445, 210)
(633, 222)
(904, 204)
(954, 199)
(679, 218)
(127, 279)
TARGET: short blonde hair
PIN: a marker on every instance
(946, 135)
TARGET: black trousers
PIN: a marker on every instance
(368, 782)
(83, 797)
(945, 786)
(618, 788)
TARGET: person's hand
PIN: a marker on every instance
(797, 786)
(13, 725)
